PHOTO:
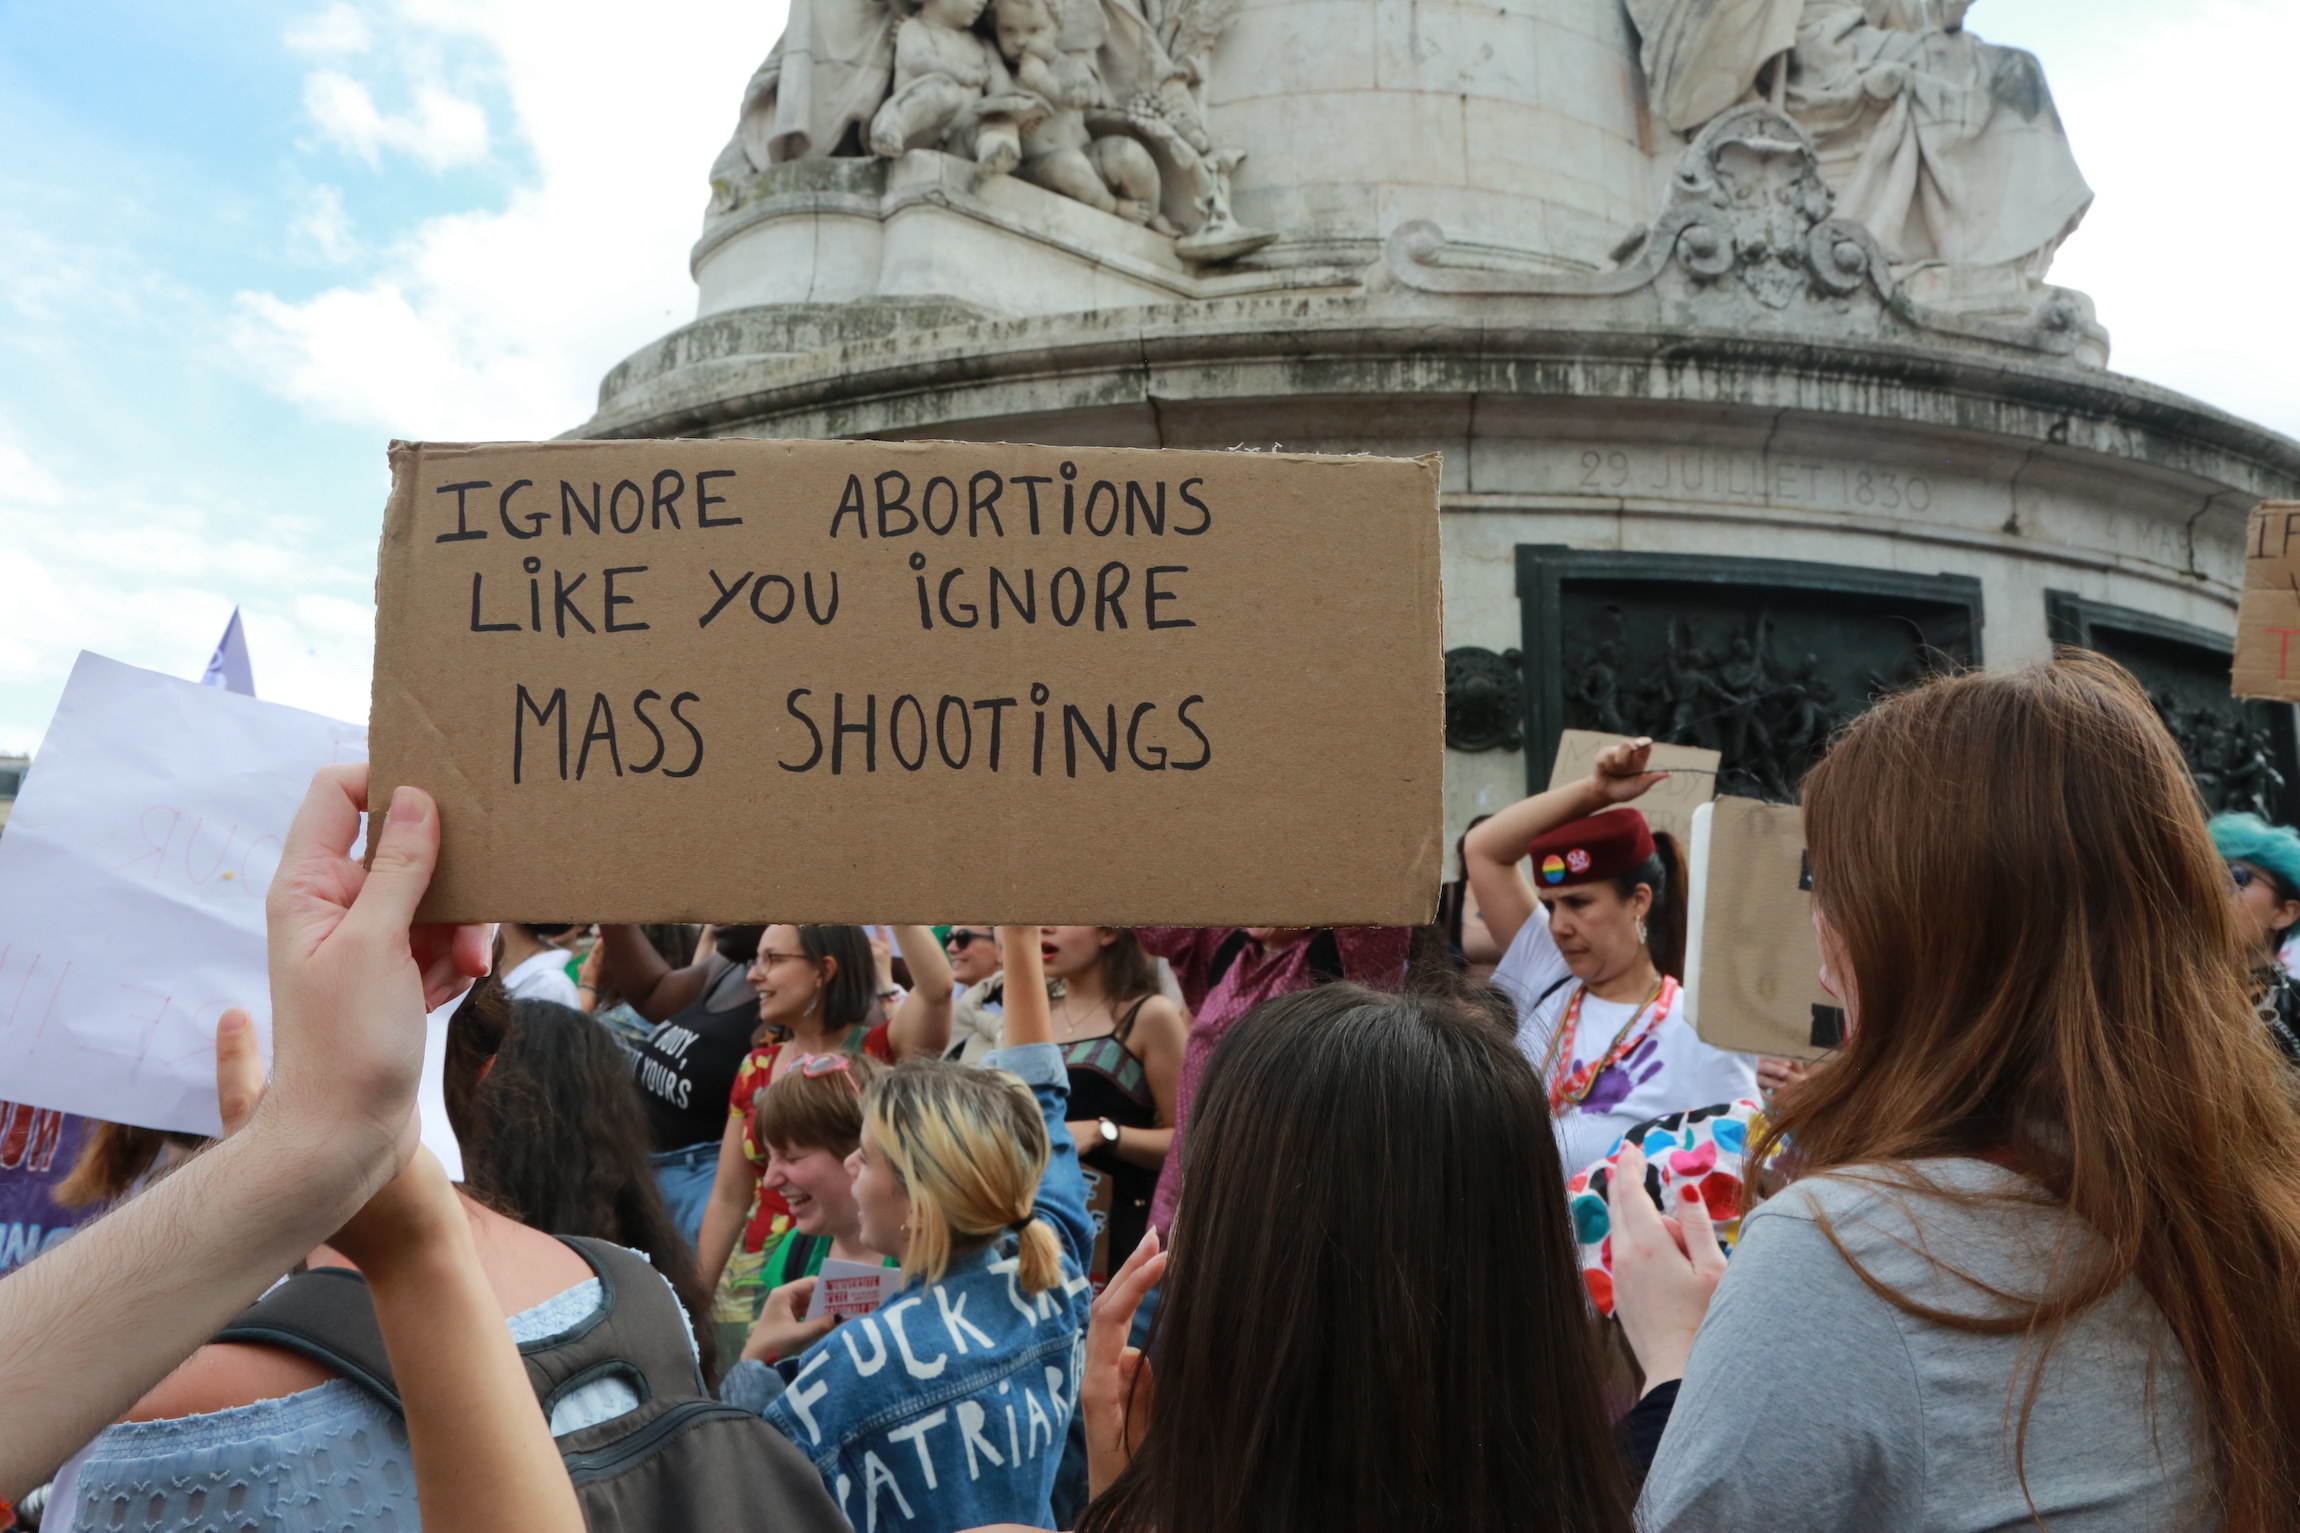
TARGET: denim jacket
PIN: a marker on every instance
(949, 1407)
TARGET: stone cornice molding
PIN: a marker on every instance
(1403, 345)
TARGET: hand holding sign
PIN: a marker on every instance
(1678, 779)
(1620, 770)
(348, 956)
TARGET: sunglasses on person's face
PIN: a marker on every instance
(2241, 876)
(958, 941)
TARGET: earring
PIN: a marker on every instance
(1640, 931)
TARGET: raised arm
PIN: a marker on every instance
(91, 1325)
(1029, 1019)
(1028, 1027)
(920, 1026)
(482, 1452)
(654, 989)
(1494, 850)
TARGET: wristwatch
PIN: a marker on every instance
(1109, 1133)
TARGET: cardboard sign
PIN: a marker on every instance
(2268, 613)
(745, 680)
(132, 883)
(1669, 804)
(847, 1289)
(1751, 963)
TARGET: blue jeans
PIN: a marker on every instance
(685, 1177)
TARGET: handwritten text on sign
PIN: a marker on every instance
(2268, 613)
(836, 680)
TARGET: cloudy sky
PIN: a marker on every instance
(243, 243)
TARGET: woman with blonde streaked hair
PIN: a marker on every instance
(2042, 1262)
(949, 1406)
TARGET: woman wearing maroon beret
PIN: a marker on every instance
(1595, 977)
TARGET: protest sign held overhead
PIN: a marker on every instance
(132, 884)
(846, 681)
(1752, 965)
(1669, 804)
(2268, 613)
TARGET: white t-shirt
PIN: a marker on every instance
(543, 978)
(1671, 1071)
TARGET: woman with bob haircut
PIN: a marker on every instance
(1314, 1372)
(2042, 1262)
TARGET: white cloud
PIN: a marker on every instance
(500, 323)
(337, 30)
(2180, 125)
(324, 228)
(443, 131)
(151, 580)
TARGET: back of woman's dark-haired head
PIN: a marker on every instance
(1373, 1317)
(553, 1134)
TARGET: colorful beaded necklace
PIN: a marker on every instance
(1568, 1085)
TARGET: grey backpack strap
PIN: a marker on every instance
(327, 1316)
(638, 1333)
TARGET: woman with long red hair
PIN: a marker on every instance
(2042, 1260)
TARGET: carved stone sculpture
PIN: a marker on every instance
(1087, 98)
(1750, 201)
(1945, 147)
(1484, 700)
(1752, 237)
(952, 91)
(1113, 172)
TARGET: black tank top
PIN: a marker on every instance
(1107, 1080)
(687, 1066)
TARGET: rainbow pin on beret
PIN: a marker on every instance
(1590, 850)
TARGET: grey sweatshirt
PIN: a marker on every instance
(1811, 1402)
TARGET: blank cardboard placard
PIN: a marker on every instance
(868, 681)
(132, 883)
(1752, 966)
(2267, 661)
(1669, 804)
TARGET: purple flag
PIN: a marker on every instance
(228, 666)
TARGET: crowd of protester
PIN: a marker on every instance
(1178, 1230)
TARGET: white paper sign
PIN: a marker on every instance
(132, 881)
(847, 1289)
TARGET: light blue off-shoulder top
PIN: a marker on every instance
(324, 1460)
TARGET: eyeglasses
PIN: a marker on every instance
(815, 1066)
(769, 960)
(960, 938)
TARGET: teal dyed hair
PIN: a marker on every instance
(2271, 848)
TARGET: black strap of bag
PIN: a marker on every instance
(636, 1332)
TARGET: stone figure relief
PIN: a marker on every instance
(1060, 152)
(952, 90)
(1753, 238)
(1726, 686)
(1945, 147)
(1097, 100)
